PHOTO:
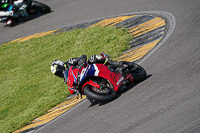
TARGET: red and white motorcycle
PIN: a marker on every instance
(100, 82)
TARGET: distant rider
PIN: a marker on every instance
(8, 8)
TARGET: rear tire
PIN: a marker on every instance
(139, 74)
(99, 97)
(42, 8)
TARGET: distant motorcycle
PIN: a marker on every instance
(100, 82)
(27, 9)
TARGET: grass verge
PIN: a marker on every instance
(27, 87)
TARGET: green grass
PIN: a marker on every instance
(28, 88)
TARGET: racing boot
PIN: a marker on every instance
(116, 64)
(128, 66)
(111, 62)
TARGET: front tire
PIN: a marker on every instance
(91, 94)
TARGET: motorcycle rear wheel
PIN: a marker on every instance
(100, 97)
(139, 74)
(38, 7)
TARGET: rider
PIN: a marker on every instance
(57, 66)
(8, 8)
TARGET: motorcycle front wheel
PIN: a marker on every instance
(104, 95)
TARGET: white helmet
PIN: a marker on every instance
(57, 68)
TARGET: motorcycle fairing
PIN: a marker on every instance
(90, 82)
(70, 75)
(101, 70)
(88, 71)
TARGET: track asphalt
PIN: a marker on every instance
(167, 102)
(149, 31)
